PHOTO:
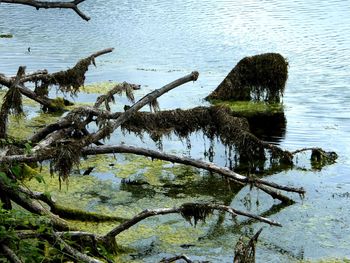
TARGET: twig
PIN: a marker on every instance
(43, 4)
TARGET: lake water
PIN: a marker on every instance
(158, 41)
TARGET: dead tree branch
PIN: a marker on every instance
(188, 211)
(108, 129)
(187, 161)
(32, 206)
(45, 4)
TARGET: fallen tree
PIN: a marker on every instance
(66, 141)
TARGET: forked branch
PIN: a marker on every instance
(46, 4)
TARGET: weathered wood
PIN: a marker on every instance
(176, 210)
(108, 129)
(187, 161)
(45, 4)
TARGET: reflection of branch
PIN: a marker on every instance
(275, 194)
(42, 4)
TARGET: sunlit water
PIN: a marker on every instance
(158, 41)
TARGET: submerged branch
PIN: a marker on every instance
(32, 206)
(188, 210)
(187, 161)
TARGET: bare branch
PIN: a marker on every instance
(45, 4)
(187, 161)
(181, 210)
(108, 129)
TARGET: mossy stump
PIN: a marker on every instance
(259, 77)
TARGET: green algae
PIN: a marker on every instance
(248, 108)
(98, 88)
(22, 127)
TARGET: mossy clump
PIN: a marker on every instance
(68, 81)
(215, 121)
(259, 77)
(6, 36)
(320, 158)
(22, 128)
(195, 211)
(99, 88)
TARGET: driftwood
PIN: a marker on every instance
(43, 4)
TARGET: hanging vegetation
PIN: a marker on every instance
(259, 77)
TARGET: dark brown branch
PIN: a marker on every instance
(275, 194)
(43, 4)
(12, 102)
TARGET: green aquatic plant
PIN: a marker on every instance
(6, 36)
